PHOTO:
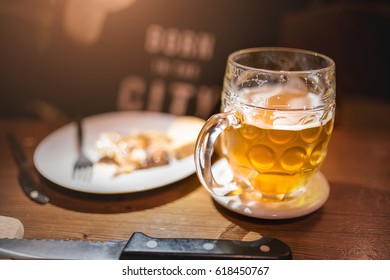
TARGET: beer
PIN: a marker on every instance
(276, 152)
(276, 163)
(276, 120)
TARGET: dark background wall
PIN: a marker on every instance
(47, 64)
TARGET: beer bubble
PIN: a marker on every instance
(318, 153)
(293, 159)
(311, 134)
(261, 157)
(281, 136)
(249, 132)
(329, 127)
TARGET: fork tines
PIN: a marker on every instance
(83, 167)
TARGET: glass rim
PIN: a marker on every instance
(329, 60)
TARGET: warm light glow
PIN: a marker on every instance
(84, 20)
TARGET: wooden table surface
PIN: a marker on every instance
(353, 224)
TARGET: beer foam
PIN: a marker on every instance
(284, 97)
(282, 108)
(286, 121)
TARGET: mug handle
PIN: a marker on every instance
(204, 147)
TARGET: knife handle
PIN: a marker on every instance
(27, 182)
(141, 246)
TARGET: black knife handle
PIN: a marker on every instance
(28, 185)
(141, 246)
(25, 177)
(17, 151)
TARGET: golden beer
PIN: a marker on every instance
(276, 120)
(276, 163)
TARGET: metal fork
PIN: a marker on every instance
(82, 169)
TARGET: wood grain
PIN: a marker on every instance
(353, 224)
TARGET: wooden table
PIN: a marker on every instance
(353, 224)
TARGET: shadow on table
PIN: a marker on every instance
(118, 203)
(353, 214)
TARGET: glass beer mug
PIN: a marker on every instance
(277, 115)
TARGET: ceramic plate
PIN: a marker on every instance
(56, 154)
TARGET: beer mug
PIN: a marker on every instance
(277, 115)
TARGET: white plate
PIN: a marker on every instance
(56, 154)
(316, 195)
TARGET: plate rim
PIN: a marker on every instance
(187, 161)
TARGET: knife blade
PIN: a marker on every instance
(25, 176)
(141, 246)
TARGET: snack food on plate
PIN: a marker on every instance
(145, 149)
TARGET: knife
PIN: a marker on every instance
(141, 246)
(25, 176)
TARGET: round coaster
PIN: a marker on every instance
(316, 195)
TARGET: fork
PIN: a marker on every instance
(82, 169)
